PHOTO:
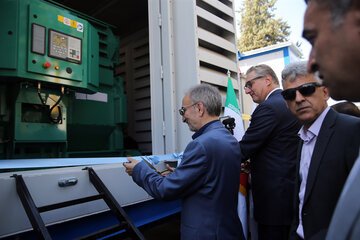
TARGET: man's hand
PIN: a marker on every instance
(130, 165)
(170, 170)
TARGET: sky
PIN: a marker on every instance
(291, 11)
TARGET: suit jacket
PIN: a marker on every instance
(271, 144)
(207, 181)
(334, 153)
(345, 223)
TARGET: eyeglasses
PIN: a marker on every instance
(306, 90)
(249, 83)
(182, 110)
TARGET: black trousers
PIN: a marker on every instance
(270, 232)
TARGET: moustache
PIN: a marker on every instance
(302, 105)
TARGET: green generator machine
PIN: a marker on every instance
(58, 93)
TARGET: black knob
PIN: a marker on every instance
(68, 70)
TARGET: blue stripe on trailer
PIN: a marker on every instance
(141, 214)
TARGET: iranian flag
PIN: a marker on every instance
(232, 110)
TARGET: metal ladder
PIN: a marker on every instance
(39, 227)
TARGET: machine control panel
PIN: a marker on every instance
(47, 43)
(58, 47)
(64, 46)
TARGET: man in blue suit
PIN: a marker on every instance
(270, 142)
(329, 147)
(207, 179)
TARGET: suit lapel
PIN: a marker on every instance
(298, 158)
(298, 183)
(326, 131)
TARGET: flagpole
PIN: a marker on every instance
(233, 111)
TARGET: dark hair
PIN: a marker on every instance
(264, 70)
(338, 8)
(209, 96)
(348, 108)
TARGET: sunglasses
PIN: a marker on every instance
(182, 110)
(249, 83)
(306, 90)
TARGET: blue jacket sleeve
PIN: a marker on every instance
(186, 178)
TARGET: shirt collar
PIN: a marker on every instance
(314, 129)
(202, 129)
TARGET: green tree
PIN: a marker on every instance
(258, 26)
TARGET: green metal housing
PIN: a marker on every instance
(58, 93)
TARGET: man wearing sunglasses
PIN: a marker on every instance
(207, 179)
(270, 143)
(327, 151)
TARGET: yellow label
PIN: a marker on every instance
(245, 117)
(73, 24)
(60, 18)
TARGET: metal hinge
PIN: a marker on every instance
(164, 130)
(160, 20)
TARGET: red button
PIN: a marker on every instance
(47, 65)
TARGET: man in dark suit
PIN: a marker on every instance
(332, 27)
(329, 147)
(207, 179)
(270, 143)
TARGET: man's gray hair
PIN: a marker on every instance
(295, 69)
(338, 9)
(209, 96)
(263, 70)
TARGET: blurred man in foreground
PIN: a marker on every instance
(333, 29)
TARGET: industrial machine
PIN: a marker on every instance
(58, 93)
(64, 111)
(59, 99)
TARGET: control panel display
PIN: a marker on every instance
(64, 46)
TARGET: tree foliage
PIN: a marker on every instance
(258, 26)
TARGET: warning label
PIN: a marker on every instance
(72, 23)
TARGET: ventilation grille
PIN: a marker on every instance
(135, 69)
(217, 49)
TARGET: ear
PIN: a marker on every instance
(200, 108)
(268, 80)
(326, 93)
